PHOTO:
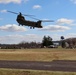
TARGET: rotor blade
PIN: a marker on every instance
(27, 15)
(41, 20)
(18, 13)
(12, 12)
(47, 20)
(34, 18)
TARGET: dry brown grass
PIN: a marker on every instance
(32, 72)
(38, 54)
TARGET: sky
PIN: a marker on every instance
(63, 12)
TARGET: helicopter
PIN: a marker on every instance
(32, 24)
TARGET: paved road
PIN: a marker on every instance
(56, 65)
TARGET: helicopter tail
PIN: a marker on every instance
(39, 24)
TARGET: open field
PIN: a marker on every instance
(32, 72)
(38, 54)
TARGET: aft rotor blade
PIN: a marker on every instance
(41, 20)
(47, 20)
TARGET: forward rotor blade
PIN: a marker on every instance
(34, 18)
(27, 15)
(18, 13)
(12, 12)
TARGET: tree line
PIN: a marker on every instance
(68, 43)
(46, 41)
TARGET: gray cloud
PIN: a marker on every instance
(9, 1)
(16, 38)
(36, 7)
(65, 21)
(55, 28)
(74, 1)
(3, 11)
(12, 28)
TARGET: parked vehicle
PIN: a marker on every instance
(53, 46)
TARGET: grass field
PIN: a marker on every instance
(36, 55)
(33, 72)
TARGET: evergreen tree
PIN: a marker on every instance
(47, 41)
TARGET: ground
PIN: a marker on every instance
(38, 55)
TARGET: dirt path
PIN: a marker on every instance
(57, 65)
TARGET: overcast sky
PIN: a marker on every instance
(63, 12)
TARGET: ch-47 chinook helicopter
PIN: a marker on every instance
(21, 20)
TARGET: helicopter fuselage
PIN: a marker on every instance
(21, 20)
(29, 23)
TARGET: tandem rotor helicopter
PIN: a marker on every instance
(22, 21)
